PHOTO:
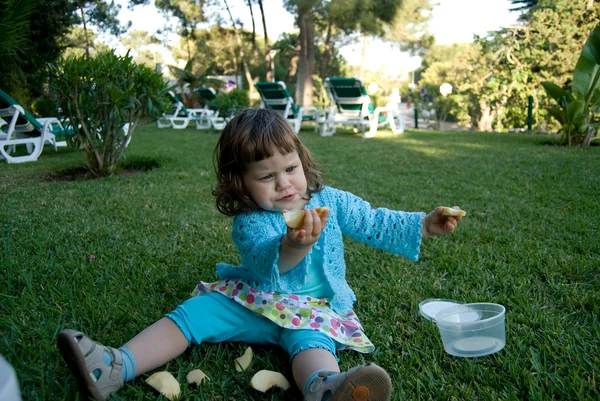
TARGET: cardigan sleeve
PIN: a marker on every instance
(393, 231)
(257, 236)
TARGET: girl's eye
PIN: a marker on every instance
(290, 169)
(266, 177)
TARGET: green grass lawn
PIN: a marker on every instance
(111, 256)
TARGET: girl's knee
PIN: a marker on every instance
(295, 341)
(215, 318)
(196, 317)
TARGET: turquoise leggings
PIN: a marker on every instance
(214, 318)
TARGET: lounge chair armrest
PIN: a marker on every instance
(48, 122)
(303, 109)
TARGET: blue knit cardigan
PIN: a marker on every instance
(258, 235)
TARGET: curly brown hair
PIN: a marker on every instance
(254, 135)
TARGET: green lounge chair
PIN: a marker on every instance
(22, 128)
(351, 106)
(275, 95)
(180, 116)
(210, 118)
(206, 95)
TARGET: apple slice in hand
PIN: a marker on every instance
(448, 211)
(295, 218)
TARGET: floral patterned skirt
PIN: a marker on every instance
(295, 312)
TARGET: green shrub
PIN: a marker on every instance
(230, 103)
(13, 82)
(577, 109)
(44, 106)
(99, 96)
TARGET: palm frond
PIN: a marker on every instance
(14, 24)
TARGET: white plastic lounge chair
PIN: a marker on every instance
(351, 106)
(180, 116)
(209, 118)
(22, 128)
(275, 95)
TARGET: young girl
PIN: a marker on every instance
(290, 289)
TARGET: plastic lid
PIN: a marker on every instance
(431, 307)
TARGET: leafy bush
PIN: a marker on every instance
(45, 106)
(230, 103)
(13, 82)
(100, 96)
(577, 110)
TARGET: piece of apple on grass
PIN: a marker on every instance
(448, 211)
(166, 384)
(196, 377)
(244, 361)
(263, 380)
(295, 218)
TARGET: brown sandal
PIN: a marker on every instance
(84, 357)
(363, 383)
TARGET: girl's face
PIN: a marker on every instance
(277, 182)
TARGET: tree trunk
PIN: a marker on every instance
(323, 70)
(306, 64)
(536, 110)
(589, 135)
(254, 48)
(364, 56)
(242, 55)
(87, 41)
(293, 67)
(301, 68)
(310, 53)
(268, 59)
(189, 50)
(236, 67)
(487, 116)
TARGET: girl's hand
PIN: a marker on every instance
(437, 224)
(310, 231)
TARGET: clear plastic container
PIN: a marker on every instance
(9, 386)
(472, 330)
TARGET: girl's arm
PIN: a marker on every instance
(267, 250)
(290, 255)
(393, 231)
(258, 240)
(298, 241)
